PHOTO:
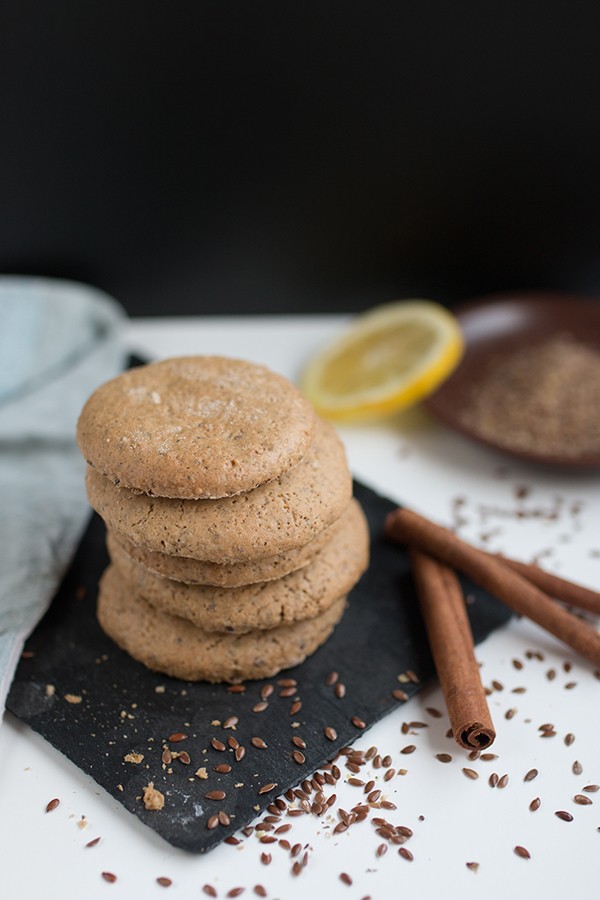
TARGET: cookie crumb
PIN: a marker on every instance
(153, 799)
(201, 772)
(50, 690)
(73, 698)
(133, 757)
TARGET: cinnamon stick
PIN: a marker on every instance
(406, 526)
(568, 591)
(451, 642)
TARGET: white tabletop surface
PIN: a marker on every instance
(456, 820)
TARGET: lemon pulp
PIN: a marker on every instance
(390, 357)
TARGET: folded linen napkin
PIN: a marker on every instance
(58, 341)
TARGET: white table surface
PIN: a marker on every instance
(414, 460)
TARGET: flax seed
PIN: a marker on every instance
(177, 737)
(346, 878)
(212, 823)
(535, 804)
(236, 689)
(577, 767)
(295, 707)
(267, 787)
(258, 743)
(358, 722)
(523, 852)
(239, 753)
(218, 745)
(330, 733)
(52, 805)
(582, 800)
(108, 876)
(410, 748)
(340, 690)
(209, 890)
(405, 853)
(400, 695)
(503, 781)
(260, 706)
(332, 678)
(471, 773)
(493, 780)
(529, 776)
(298, 757)
(443, 757)
(215, 795)
(564, 815)
(222, 768)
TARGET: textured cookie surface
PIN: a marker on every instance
(300, 595)
(175, 647)
(198, 571)
(276, 517)
(195, 426)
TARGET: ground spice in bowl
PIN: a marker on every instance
(541, 399)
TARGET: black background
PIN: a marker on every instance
(199, 157)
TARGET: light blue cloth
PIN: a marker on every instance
(58, 341)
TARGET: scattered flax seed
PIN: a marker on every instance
(577, 767)
(471, 773)
(493, 780)
(153, 799)
(340, 690)
(346, 878)
(73, 698)
(230, 722)
(266, 691)
(259, 890)
(564, 815)
(443, 757)
(224, 818)
(236, 689)
(582, 800)
(413, 677)
(216, 744)
(510, 713)
(267, 787)
(287, 692)
(569, 738)
(332, 678)
(222, 769)
(260, 707)
(235, 892)
(167, 757)
(433, 712)
(295, 707)
(535, 804)
(358, 722)
(298, 742)
(298, 757)
(523, 852)
(239, 753)
(108, 876)
(503, 781)
(164, 882)
(209, 890)
(551, 674)
(591, 788)
(497, 685)
(52, 804)
(184, 757)
(529, 776)
(265, 858)
(93, 842)
(215, 795)
(330, 733)
(212, 822)
(397, 694)
(488, 756)
(405, 853)
(517, 663)
(258, 743)
(472, 866)
(570, 685)
(410, 748)
(177, 737)
(133, 758)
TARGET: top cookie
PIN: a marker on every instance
(195, 427)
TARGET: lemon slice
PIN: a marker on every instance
(389, 358)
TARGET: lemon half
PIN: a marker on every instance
(389, 358)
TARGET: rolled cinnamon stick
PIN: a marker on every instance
(568, 591)
(451, 642)
(406, 526)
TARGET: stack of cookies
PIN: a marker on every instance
(232, 531)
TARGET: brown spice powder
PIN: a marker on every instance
(539, 399)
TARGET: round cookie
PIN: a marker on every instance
(276, 517)
(195, 427)
(175, 647)
(198, 571)
(300, 595)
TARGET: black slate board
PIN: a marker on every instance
(380, 636)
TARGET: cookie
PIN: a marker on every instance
(303, 594)
(195, 427)
(274, 518)
(175, 647)
(198, 571)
